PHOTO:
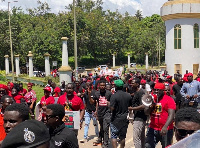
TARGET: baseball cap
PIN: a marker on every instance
(119, 83)
(159, 86)
(27, 134)
(47, 89)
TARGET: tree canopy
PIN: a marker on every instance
(99, 34)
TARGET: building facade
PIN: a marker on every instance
(182, 21)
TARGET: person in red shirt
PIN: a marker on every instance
(56, 90)
(45, 100)
(162, 114)
(3, 90)
(22, 91)
(15, 94)
(10, 85)
(5, 101)
(72, 102)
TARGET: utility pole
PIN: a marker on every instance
(159, 50)
(75, 43)
(11, 50)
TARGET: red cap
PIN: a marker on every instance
(143, 81)
(3, 86)
(90, 74)
(190, 74)
(89, 81)
(47, 89)
(30, 84)
(159, 86)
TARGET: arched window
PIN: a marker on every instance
(177, 36)
(196, 36)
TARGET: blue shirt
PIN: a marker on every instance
(190, 89)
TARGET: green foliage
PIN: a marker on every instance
(99, 35)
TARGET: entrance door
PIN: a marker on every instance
(178, 67)
(195, 70)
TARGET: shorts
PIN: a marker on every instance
(118, 133)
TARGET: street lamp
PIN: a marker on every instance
(11, 50)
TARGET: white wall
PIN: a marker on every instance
(187, 55)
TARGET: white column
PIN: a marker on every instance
(47, 64)
(129, 60)
(17, 65)
(64, 51)
(30, 55)
(65, 70)
(147, 62)
(6, 64)
(113, 60)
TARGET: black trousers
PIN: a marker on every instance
(104, 123)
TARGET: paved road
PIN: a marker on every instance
(91, 139)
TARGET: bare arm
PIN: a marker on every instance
(141, 107)
(171, 114)
(82, 113)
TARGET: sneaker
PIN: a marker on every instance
(83, 140)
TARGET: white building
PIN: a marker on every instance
(182, 21)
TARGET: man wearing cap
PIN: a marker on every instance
(119, 103)
(45, 100)
(162, 113)
(190, 90)
(28, 134)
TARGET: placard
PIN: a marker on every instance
(72, 119)
(54, 63)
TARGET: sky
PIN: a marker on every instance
(148, 7)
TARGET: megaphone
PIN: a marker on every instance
(147, 100)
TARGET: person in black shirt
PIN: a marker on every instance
(176, 89)
(62, 87)
(139, 115)
(102, 98)
(61, 136)
(119, 103)
(89, 111)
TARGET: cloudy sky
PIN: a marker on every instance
(148, 7)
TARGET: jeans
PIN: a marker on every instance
(153, 137)
(139, 134)
(88, 116)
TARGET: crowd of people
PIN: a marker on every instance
(112, 102)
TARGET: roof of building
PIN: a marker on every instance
(172, 2)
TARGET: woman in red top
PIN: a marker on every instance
(45, 100)
(18, 98)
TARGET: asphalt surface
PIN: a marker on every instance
(91, 138)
